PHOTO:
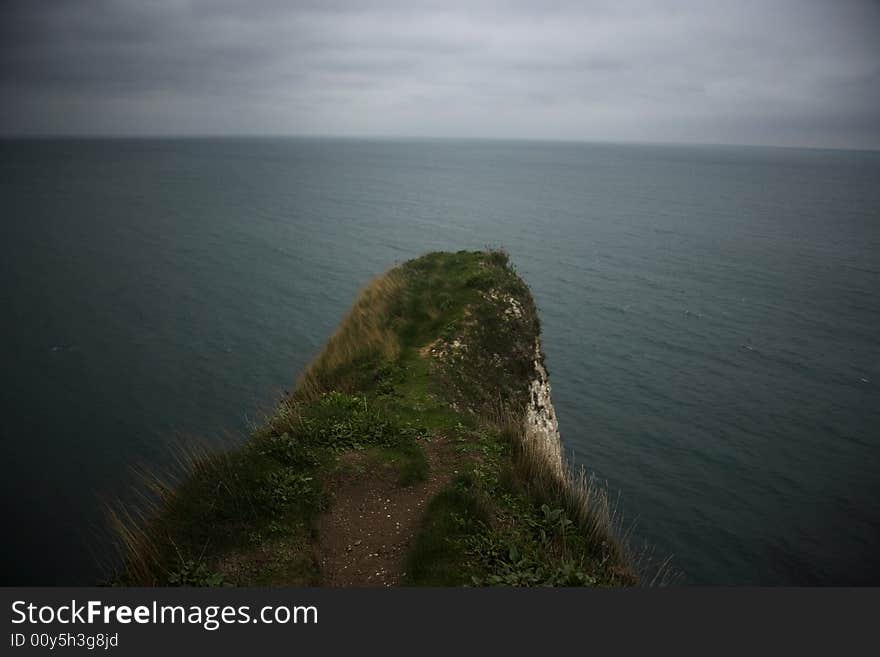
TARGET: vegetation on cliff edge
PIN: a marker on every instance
(422, 388)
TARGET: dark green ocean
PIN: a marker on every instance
(711, 319)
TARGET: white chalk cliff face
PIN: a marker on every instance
(541, 424)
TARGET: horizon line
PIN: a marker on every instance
(35, 136)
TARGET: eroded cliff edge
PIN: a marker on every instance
(419, 447)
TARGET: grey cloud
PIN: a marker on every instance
(792, 72)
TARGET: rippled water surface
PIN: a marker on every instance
(711, 320)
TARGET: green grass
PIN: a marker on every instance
(440, 554)
(500, 523)
(441, 346)
(270, 489)
(407, 462)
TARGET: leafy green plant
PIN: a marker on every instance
(191, 573)
(283, 487)
(528, 553)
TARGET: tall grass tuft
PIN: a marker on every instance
(538, 470)
(134, 524)
(366, 333)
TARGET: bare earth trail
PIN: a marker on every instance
(364, 537)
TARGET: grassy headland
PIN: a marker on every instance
(416, 409)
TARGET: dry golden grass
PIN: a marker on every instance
(137, 526)
(134, 526)
(587, 503)
(363, 333)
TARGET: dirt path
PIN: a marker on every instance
(364, 538)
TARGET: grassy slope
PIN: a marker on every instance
(429, 349)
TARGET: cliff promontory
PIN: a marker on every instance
(420, 447)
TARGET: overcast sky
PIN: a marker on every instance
(797, 72)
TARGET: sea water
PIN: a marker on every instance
(710, 315)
